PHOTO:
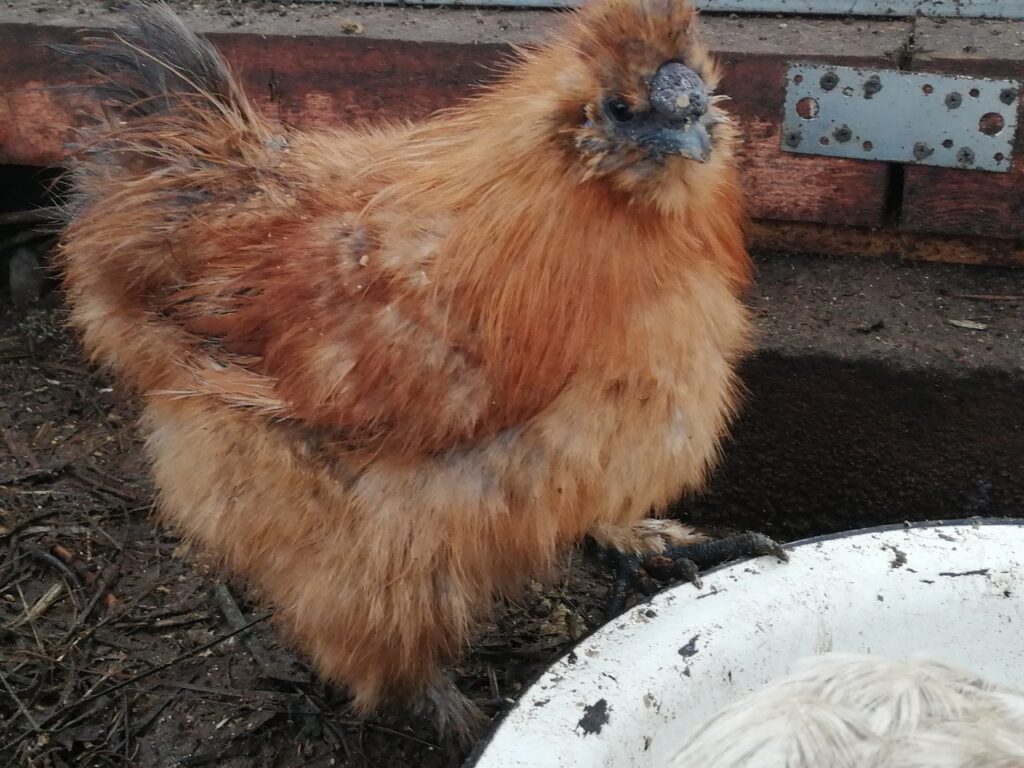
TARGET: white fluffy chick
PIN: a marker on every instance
(856, 711)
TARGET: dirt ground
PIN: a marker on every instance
(95, 595)
(118, 648)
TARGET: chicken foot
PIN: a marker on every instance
(683, 554)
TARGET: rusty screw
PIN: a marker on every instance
(829, 81)
(842, 134)
(965, 156)
(922, 150)
(872, 86)
(1008, 95)
(954, 100)
(793, 138)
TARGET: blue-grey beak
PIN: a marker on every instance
(690, 141)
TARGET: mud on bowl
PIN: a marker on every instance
(630, 693)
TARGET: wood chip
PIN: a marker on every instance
(970, 325)
(42, 605)
(990, 296)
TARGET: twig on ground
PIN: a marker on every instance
(63, 711)
(86, 574)
(41, 606)
(989, 296)
(45, 472)
(236, 619)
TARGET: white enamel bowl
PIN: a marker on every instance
(629, 692)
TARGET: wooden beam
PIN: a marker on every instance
(884, 242)
(321, 80)
(305, 81)
(993, 9)
(968, 202)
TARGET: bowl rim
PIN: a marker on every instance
(481, 747)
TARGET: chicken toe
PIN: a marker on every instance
(640, 571)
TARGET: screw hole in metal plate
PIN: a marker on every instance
(991, 124)
(807, 108)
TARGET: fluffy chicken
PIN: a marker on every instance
(388, 374)
(859, 711)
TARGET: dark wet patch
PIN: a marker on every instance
(595, 717)
(899, 558)
(690, 649)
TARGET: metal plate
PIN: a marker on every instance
(901, 117)
(992, 9)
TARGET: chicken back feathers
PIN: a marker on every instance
(390, 372)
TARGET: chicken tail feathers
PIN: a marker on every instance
(168, 102)
(174, 144)
(155, 65)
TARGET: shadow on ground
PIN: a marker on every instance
(825, 445)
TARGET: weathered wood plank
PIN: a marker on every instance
(332, 80)
(968, 202)
(884, 242)
(35, 118)
(994, 9)
(792, 187)
(306, 81)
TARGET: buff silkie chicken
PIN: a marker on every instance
(390, 374)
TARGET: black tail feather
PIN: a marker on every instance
(166, 102)
(153, 64)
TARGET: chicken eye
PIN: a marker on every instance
(619, 110)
